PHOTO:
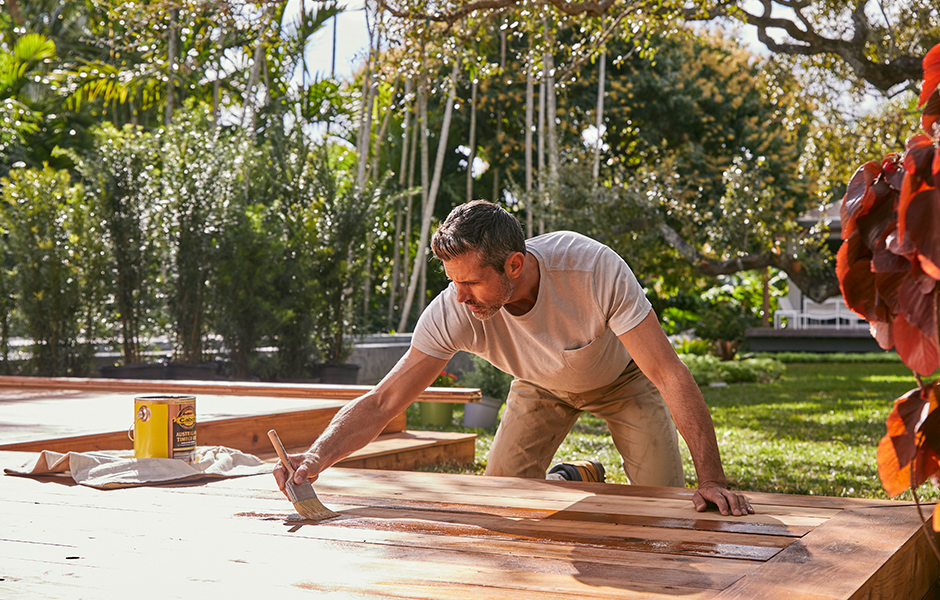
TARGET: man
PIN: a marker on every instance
(567, 318)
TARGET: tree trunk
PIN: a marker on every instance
(473, 139)
(499, 112)
(540, 162)
(529, 102)
(253, 80)
(765, 307)
(171, 68)
(432, 192)
(397, 245)
(551, 109)
(599, 117)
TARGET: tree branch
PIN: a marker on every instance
(816, 287)
(807, 42)
(450, 17)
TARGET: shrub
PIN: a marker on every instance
(491, 381)
(830, 357)
(709, 369)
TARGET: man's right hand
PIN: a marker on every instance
(301, 463)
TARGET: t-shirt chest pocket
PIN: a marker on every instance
(585, 358)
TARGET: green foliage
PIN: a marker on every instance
(199, 179)
(47, 231)
(832, 357)
(122, 185)
(708, 369)
(242, 293)
(696, 346)
(348, 214)
(491, 381)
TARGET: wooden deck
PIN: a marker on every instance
(81, 415)
(431, 535)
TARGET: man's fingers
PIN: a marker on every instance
(727, 502)
(300, 474)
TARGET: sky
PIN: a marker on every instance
(352, 40)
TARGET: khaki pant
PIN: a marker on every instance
(536, 421)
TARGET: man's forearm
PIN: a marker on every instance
(352, 428)
(694, 422)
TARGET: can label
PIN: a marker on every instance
(165, 427)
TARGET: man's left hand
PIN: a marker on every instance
(728, 502)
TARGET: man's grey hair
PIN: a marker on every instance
(482, 227)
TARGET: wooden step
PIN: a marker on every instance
(408, 450)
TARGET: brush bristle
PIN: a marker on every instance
(306, 502)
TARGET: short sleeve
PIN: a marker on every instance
(433, 333)
(618, 293)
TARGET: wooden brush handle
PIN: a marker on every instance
(281, 453)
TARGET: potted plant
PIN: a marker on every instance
(439, 413)
(888, 268)
(494, 384)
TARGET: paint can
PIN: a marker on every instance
(164, 427)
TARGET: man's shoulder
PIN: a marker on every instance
(566, 250)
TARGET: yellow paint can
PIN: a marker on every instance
(164, 427)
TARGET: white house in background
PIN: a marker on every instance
(799, 312)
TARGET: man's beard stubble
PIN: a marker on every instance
(506, 288)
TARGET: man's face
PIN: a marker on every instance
(481, 288)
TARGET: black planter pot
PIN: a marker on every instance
(341, 374)
(164, 370)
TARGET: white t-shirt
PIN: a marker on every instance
(568, 341)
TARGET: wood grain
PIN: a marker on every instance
(436, 536)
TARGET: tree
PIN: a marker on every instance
(47, 226)
(881, 43)
(199, 178)
(122, 184)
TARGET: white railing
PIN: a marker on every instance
(833, 313)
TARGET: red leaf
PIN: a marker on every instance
(931, 74)
(904, 442)
(898, 245)
(858, 196)
(918, 156)
(917, 301)
(886, 286)
(918, 350)
(850, 252)
(883, 333)
(922, 215)
(931, 114)
(885, 258)
(858, 288)
(880, 216)
(936, 158)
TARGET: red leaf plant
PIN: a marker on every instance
(888, 268)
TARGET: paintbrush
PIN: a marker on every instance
(302, 495)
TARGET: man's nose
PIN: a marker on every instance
(462, 294)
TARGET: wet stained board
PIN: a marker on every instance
(441, 536)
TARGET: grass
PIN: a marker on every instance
(813, 431)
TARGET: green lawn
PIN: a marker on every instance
(813, 431)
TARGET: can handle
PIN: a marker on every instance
(130, 431)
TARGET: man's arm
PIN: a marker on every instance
(363, 419)
(656, 358)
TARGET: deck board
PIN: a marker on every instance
(440, 536)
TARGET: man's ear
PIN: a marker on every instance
(514, 263)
